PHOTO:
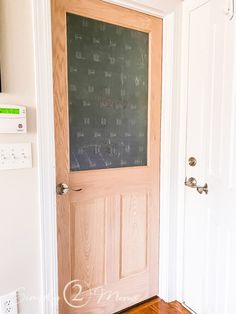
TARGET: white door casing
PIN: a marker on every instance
(210, 235)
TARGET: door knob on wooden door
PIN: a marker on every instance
(192, 183)
(63, 188)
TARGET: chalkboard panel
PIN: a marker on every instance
(107, 93)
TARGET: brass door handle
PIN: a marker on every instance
(192, 183)
(63, 188)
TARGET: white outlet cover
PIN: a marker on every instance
(9, 304)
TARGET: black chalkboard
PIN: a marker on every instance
(107, 93)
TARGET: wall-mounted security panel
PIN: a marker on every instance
(12, 119)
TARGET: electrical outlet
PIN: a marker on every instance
(8, 303)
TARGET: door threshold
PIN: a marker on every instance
(136, 305)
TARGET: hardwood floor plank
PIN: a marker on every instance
(158, 306)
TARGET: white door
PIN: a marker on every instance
(210, 219)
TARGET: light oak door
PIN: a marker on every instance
(107, 94)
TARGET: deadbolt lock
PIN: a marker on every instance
(192, 161)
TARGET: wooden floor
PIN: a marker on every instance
(158, 306)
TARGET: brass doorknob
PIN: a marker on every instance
(63, 188)
(192, 183)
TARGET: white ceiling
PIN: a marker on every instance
(154, 7)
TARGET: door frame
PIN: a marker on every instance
(46, 154)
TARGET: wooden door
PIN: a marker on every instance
(107, 93)
(210, 234)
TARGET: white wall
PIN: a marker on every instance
(19, 210)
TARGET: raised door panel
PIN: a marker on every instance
(88, 242)
(134, 233)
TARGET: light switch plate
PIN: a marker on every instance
(15, 156)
